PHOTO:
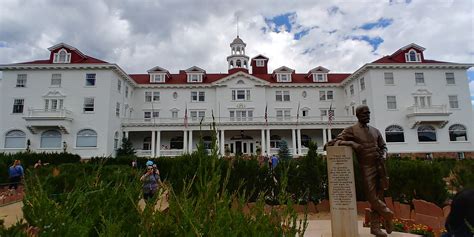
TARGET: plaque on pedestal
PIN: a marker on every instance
(342, 194)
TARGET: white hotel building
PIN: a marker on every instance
(84, 105)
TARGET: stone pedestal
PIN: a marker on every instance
(342, 194)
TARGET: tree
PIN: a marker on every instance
(312, 149)
(284, 152)
(126, 149)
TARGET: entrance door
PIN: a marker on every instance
(238, 147)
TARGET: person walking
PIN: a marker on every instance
(151, 181)
(15, 174)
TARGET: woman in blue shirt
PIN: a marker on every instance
(15, 173)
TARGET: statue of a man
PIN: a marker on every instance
(371, 152)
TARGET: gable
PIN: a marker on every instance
(240, 79)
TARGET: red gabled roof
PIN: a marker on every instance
(87, 60)
(181, 78)
(390, 59)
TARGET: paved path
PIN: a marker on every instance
(11, 213)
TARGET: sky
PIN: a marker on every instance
(341, 35)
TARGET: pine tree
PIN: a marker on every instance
(126, 148)
(284, 152)
(312, 149)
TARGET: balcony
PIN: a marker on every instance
(434, 114)
(43, 118)
(257, 121)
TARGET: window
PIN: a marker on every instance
(283, 77)
(240, 95)
(412, 56)
(152, 96)
(90, 79)
(450, 78)
(62, 56)
(147, 115)
(117, 109)
(157, 78)
(426, 134)
(304, 113)
(174, 114)
(53, 104)
(461, 155)
(364, 102)
(198, 96)
(241, 115)
(394, 133)
(362, 84)
(282, 95)
(116, 140)
(56, 80)
(195, 114)
(326, 95)
(391, 102)
(388, 76)
(175, 95)
(423, 101)
(275, 141)
(146, 143)
(18, 105)
(15, 139)
(419, 78)
(126, 91)
(260, 62)
(88, 104)
(325, 112)
(453, 102)
(319, 77)
(51, 139)
(351, 88)
(305, 139)
(21, 80)
(283, 114)
(176, 143)
(88, 138)
(119, 86)
(304, 94)
(457, 132)
(194, 77)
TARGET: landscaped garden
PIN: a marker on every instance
(207, 196)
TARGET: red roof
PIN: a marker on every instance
(87, 60)
(390, 59)
(210, 78)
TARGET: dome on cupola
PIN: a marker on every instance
(237, 40)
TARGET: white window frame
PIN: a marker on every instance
(119, 86)
(241, 115)
(417, 58)
(260, 62)
(238, 93)
(91, 79)
(89, 105)
(15, 139)
(364, 102)
(422, 101)
(362, 84)
(174, 114)
(453, 101)
(450, 80)
(305, 113)
(326, 95)
(351, 89)
(87, 134)
(126, 91)
(391, 105)
(21, 80)
(198, 96)
(56, 80)
(117, 109)
(417, 78)
(53, 104)
(283, 77)
(152, 96)
(389, 77)
(282, 96)
(317, 78)
(157, 78)
(196, 115)
(62, 52)
(149, 114)
(43, 137)
(283, 114)
(18, 105)
(195, 77)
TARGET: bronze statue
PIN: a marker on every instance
(371, 152)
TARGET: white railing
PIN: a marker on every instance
(143, 153)
(246, 120)
(173, 152)
(49, 113)
(433, 109)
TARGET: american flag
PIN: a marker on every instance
(298, 114)
(186, 117)
(266, 115)
(330, 115)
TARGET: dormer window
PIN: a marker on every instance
(412, 56)
(283, 77)
(194, 77)
(62, 56)
(260, 62)
(157, 78)
(320, 77)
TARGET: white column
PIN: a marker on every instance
(126, 134)
(158, 143)
(267, 140)
(190, 149)
(324, 137)
(329, 134)
(153, 144)
(222, 142)
(185, 141)
(298, 135)
(293, 141)
(263, 147)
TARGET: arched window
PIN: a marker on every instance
(231, 64)
(305, 139)
(275, 141)
(62, 56)
(116, 140)
(87, 138)
(207, 140)
(394, 133)
(245, 63)
(51, 139)
(176, 143)
(457, 132)
(15, 139)
(238, 63)
(147, 143)
(426, 133)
